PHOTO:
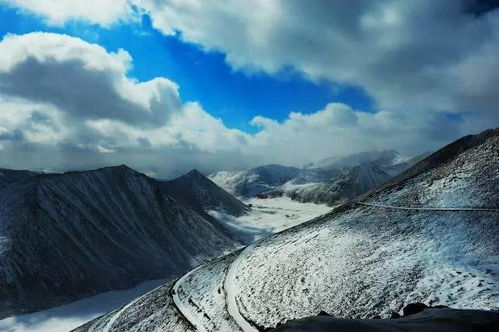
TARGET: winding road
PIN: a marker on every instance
(430, 208)
(231, 291)
(116, 316)
(181, 306)
(230, 297)
(230, 287)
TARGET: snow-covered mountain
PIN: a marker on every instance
(345, 184)
(331, 181)
(380, 158)
(262, 179)
(429, 235)
(253, 181)
(65, 236)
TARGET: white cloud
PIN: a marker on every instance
(57, 12)
(339, 129)
(82, 80)
(66, 103)
(429, 56)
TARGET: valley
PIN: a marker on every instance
(429, 235)
(266, 216)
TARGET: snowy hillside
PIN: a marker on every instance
(251, 182)
(345, 184)
(431, 236)
(379, 158)
(265, 217)
(332, 181)
(66, 236)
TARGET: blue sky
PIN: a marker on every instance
(203, 76)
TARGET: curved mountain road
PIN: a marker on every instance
(180, 305)
(231, 274)
(113, 319)
(430, 208)
(231, 291)
(230, 297)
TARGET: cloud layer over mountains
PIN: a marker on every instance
(430, 66)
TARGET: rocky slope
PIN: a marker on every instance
(359, 260)
(198, 191)
(10, 176)
(65, 236)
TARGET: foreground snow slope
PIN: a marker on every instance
(358, 260)
(66, 236)
(71, 315)
(145, 313)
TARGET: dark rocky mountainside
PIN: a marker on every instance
(9, 176)
(198, 191)
(66, 236)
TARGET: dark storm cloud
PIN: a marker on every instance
(14, 135)
(480, 7)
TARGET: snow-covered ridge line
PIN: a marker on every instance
(430, 208)
(67, 236)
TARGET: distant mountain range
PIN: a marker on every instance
(332, 181)
(254, 181)
(9, 175)
(70, 235)
(428, 235)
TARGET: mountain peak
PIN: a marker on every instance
(122, 167)
(195, 173)
(198, 190)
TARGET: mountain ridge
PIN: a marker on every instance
(70, 235)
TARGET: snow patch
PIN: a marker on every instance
(69, 316)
